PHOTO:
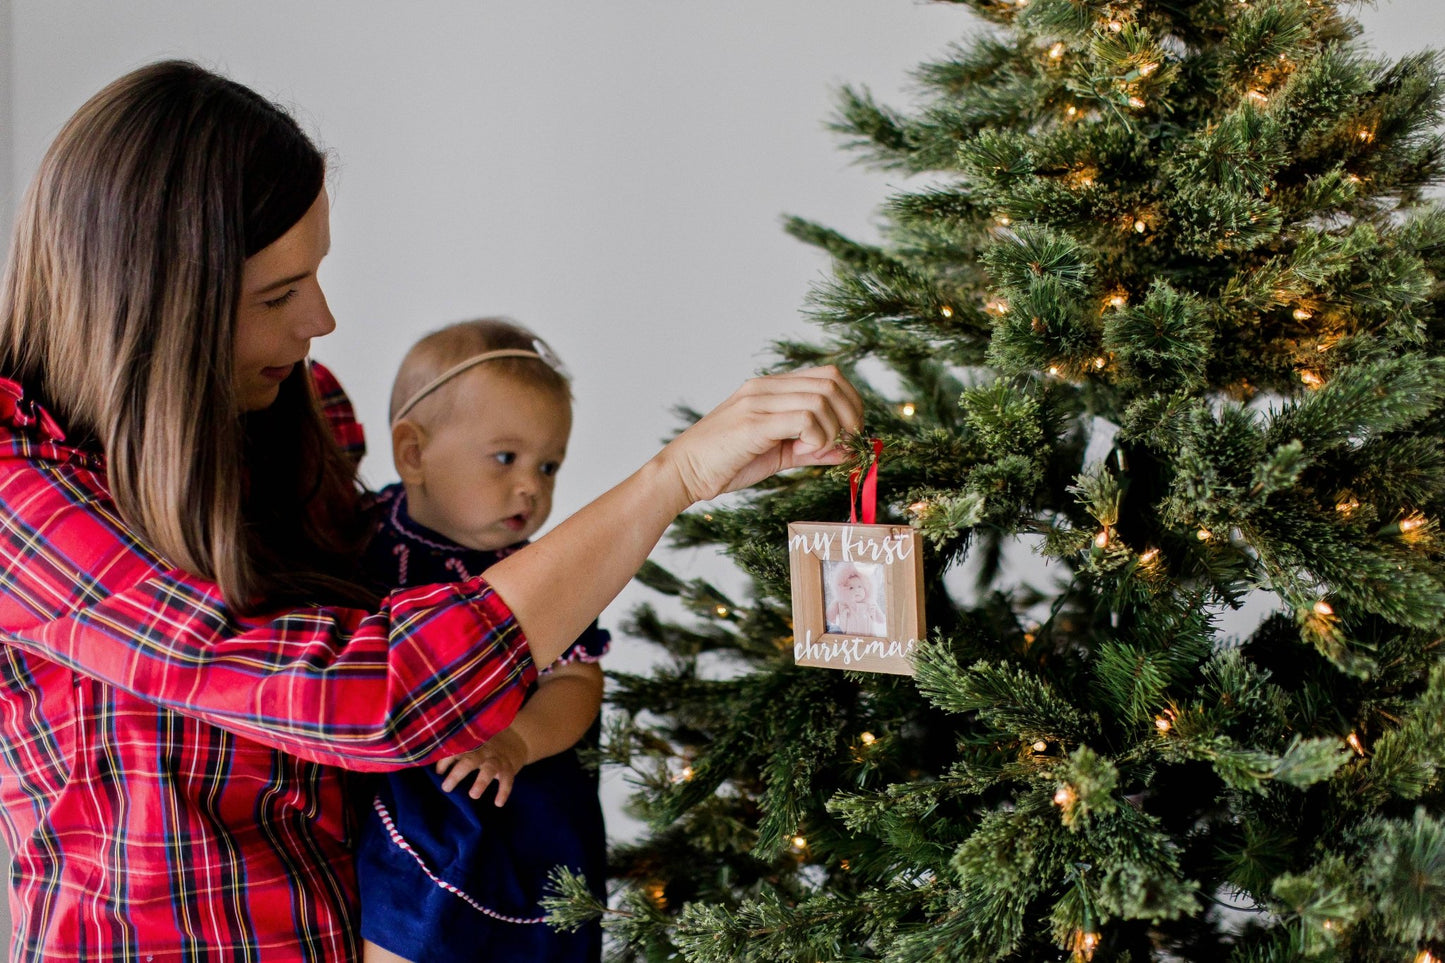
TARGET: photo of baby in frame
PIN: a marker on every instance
(850, 593)
(857, 596)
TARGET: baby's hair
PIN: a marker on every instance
(439, 351)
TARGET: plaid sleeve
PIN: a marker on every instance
(437, 670)
(339, 412)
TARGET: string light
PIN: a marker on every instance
(1366, 135)
(1054, 370)
(1354, 740)
(1347, 505)
(657, 892)
(997, 306)
(1425, 956)
(1056, 52)
(706, 517)
(1324, 609)
(1040, 746)
(1311, 379)
(1116, 26)
(683, 775)
(1064, 797)
(1162, 723)
(946, 311)
(1083, 177)
(1071, 111)
(1100, 362)
(722, 611)
(1204, 534)
(1149, 557)
(919, 507)
(907, 409)
(1354, 178)
(1411, 524)
(867, 738)
(1148, 68)
(1002, 220)
(1140, 226)
(1136, 101)
(1084, 943)
(800, 843)
(1101, 540)
(1117, 300)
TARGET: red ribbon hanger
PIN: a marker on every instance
(869, 510)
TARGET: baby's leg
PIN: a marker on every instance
(371, 953)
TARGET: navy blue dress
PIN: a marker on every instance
(445, 877)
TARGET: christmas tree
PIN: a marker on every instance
(1162, 311)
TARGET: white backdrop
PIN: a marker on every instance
(611, 174)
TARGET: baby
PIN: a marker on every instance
(481, 412)
(851, 609)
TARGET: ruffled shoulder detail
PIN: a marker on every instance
(26, 415)
(29, 432)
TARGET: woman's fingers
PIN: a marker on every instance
(504, 788)
(485, 774)
(768, 424)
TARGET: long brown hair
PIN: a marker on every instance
(118, 311)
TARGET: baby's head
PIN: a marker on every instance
(478, 452)
(850, 584)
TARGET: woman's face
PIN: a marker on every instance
(282, 307)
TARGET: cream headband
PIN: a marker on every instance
(542, 353)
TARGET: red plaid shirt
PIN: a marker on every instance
(171, 783)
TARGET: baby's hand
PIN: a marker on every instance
(499, 759)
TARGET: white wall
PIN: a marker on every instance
(610, 173)
(7, 168)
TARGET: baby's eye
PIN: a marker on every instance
(550, 468)
(281, 301)
(505, 457)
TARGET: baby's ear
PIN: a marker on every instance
(407, 441)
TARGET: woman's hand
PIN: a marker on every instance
(769, 424)
(497, 760)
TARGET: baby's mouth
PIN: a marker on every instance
(516, 523)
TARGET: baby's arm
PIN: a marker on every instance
(567, 699)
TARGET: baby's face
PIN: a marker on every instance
(854, 589)
(489, 468)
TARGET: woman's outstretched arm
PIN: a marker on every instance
(560, 583)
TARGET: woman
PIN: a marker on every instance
(190, 658)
